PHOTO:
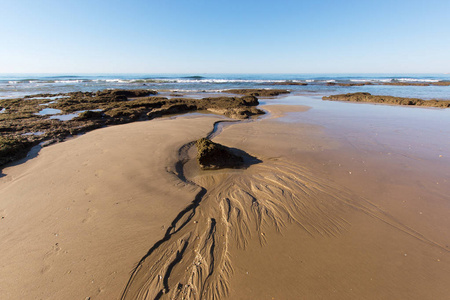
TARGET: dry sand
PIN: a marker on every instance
(79, 216)
(319, 218)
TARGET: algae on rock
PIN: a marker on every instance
(212, 156)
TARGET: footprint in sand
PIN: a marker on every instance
(88, 191)
(99, 173)
(49, 256)
(90, 213)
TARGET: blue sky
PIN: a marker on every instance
(196, 36)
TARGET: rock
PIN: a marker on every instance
(441, 83)
(400, 83)
(126, 93)
(212, 156)
(21, 116)
(367, 97)
(89, 115)
(406, 83)
(12, 148)
(354, 84)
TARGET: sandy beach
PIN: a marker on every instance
(76, 219)
(334, 209)
(224, 150)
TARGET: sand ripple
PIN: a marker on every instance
(193, 260)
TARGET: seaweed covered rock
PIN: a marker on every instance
(90, 115)
(13, 148)
(367, 97)
(354, 84)
(401, 83)
(126, 93)
(441, 83)
(21, 125)
(213, 156)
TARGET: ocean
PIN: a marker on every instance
(19, 85)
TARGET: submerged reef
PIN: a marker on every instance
(23, 126)
(401, 83)
(367, 97)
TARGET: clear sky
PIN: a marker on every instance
(209, 36)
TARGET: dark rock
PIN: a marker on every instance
(171, 110)
(406, 83)
(89, 115)
(441, 83)
(213, 156)
(20, 116)
(127, 93)
(13, 148)
(367, 97)
(400, 83)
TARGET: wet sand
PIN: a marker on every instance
(333, 211)
(392, 241)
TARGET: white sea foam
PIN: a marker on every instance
(365, 80)
(194, 91)
(14, 87)
(67, 81)
(393, 80)
(49, 98)
(217, 81)
(370, 80)
(416, 80)
(117, 80)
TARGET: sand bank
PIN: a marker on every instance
(326, 214)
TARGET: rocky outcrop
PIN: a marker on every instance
(126, 93)
(400, 83)
(212, 156)
(21, 127)
(12, 149)
(90, 115)
(367, 97)
(441, 83)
